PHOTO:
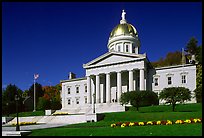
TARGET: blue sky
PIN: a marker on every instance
(53, 39)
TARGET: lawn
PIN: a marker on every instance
(24, 114)
(151, 113)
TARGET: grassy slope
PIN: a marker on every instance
(24, 114)
(153, 113)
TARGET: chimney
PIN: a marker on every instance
(72, 75)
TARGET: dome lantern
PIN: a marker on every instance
(124, 37)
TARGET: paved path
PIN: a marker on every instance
(11, 131)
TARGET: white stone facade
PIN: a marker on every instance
(174, 76)
(120, 70)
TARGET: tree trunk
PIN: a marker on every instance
(173, 106)
(137, 108)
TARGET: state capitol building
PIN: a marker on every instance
(123, 68)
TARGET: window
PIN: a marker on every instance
(68, 89)
(133, 49)
(127, 48)
(156, 82)
(77, 89)
(85, 88)
(183, 78)
(77, 101)
(169, 80)
(85, 99)
(118, 48)
(69, 101)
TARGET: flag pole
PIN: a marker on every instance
(34, 95)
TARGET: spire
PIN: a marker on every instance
(123, 21)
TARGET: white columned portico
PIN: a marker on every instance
(97, 88)
(119, 85)
(108, 88)
(142, 81)
(89, 89)
(130, 80)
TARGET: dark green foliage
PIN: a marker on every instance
(199, 55)
(56, 104)
(43, 104)
(139, 98)
(8, 99)
(38, 91)
(173, 95)
(198, 94)
(149, 98)
(191, 46)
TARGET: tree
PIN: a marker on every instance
(8, 99)
(191, 46)
(173, 95)
(43, 104)
(52, 94)
(38, 91)
(199, 55)
(25, 94)
(172, 58)
(198, 90)
(139, 98)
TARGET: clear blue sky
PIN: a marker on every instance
(53, 39)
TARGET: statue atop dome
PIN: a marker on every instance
(123, 21)
(123, 15)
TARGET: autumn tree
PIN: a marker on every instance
(172, 58)
(51, 98)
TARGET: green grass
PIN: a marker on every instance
(169, 130)
(151, 113)
(24, 114)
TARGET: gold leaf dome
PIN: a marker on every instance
(123, 29)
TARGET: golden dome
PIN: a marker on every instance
(123, 29)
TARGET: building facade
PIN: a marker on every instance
(120, 70)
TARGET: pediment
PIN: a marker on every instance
(113, 58)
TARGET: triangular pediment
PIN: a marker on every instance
(113, 58)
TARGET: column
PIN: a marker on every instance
(102, 89)
(108, 88)
(92, 90)
(130, 48)
(88, 89)
(142, 81)
(97, 88)
(119, 85)
(131, 80)
(93, 94)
